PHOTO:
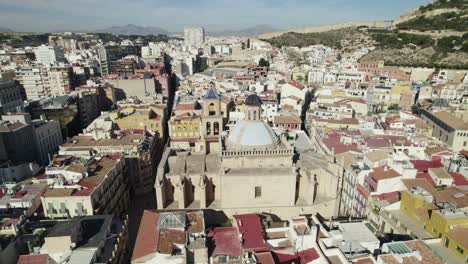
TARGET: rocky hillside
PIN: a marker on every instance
(439, 19)
(434, 35)
(339, 38)
(323, 28)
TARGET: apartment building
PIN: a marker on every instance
(79, 187)
(138, 147)
(447, 128)
(10, 97)
(48, 55)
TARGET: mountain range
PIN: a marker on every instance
(4, 29)
(247, 32)
(131, 29)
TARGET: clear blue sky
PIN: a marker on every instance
(173, 15)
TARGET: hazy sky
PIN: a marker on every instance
(173, 15)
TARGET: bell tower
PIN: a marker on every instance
(212, 118)
(252, 108)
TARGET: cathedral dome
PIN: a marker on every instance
(252, 134)
(253, 100)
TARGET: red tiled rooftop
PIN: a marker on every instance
(377, 143)
(308, 255)
(424, 175)
(33, 259)
(283, 258)
(264, 258)
(226, 241)
(297, 85)
(333, 143)
(362, 190)
(383, 173)
(387, 196)
(459, 179)
(425, 165)
(185, 107)
(148, 236)
(250, 228)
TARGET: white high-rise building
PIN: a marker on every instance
(49, 55)
(194, 37)
(43, 81)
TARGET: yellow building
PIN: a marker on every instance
(186, 125)
(139, 118)
(338, 94)
(442, 214)
(185, 131)
(298, 76)
(399, 89)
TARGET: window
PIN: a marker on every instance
(258, 191)
(459, 249)
(446, 242)
(216, 128)
(208, 128)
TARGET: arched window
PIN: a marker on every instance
(211, 109)
(255, 115)
(216, 128)
(208, 128)
(249, 117)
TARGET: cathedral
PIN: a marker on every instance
(248, 169)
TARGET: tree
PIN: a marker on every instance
(263, 63)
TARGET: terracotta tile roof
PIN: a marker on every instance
(148, 236)
(459, 179)
(287, 119)
(425, 175)
(59, 192)
(185, 107)
(226, 240)
(197, 223)
(308, 255)
(250, 228)
(264, 258)
(448, 195)
(383, 172)
(365, 260)
(450, 120)
(297, 85)
(416, 245)
(421, 183)
(460, 235)
(425, 165)
(168, 237)
(33, 259)
(377, 143)
(362, 190)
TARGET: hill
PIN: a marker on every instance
(247, 32)
(434, 35)
(4, 29)
(323, 28)
(439, 15)
(131, 29)
(333, 38)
